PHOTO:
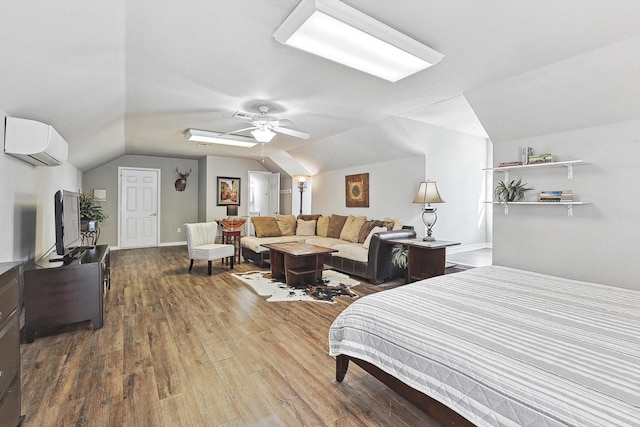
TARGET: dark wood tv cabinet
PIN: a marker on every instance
(62, 293)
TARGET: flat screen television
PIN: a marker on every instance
(67, 211)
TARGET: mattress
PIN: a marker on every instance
(505, 347)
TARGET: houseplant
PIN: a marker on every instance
(90, 213)
(399, 256)
(512, 191)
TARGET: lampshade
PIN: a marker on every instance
(263, 135)
(340, 33)
(232, 210)
(428, 193)
(301, 178)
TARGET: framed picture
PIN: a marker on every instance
(357, 190)
(228, 191)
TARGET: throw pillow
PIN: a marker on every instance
(323, 226)
(306, 228)
(373, 231)
(266, 226)
(335, 226)
(366, 229)
(351, 228)
(286, 224)
(308, 217)
(397, 223)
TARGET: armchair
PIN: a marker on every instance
(201, 244)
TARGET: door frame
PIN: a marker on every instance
(120, 170)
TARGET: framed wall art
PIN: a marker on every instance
(228, 190)
(357, 190)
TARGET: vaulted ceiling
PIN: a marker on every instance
(117, 77)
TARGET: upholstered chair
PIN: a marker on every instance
(201, 242)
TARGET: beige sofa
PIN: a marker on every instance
(360, 243)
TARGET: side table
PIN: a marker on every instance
(232, 236)
(426, 259)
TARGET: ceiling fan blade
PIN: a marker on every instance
(292, 132)
(239, 130)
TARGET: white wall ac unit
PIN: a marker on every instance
(34, 142)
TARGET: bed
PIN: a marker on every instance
(495, 346)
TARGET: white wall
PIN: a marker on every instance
(27, 223)
(600, 242)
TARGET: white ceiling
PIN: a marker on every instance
(116, 77)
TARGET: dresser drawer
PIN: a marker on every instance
(8, 298)
(10, 405)
(10, 354)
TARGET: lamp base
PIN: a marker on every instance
(429, 239)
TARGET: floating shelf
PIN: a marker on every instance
(569, 164)
(569, 205)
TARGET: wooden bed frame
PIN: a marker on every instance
(436, 410)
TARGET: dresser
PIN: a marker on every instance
(61, 293)
(10, 284)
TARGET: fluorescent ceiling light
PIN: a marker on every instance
(210, 137)
(336, 31)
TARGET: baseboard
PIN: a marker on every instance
(116, 248)
(466, 248)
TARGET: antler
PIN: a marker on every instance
(183, 175)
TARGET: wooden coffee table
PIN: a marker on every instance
(297, 262)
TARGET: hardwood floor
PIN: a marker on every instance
(181, 349)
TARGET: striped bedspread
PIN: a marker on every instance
(505, 347)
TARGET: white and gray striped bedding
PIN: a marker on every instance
(506, 347)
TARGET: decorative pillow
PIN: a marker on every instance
(266, 226)
(351, 228)
(366, 229)
(308, 217)
(397, 223)
(335, 226)
(286, 224)
(373, 231)
(323, 226)
(306, 228)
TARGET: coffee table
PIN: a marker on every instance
(297, 262)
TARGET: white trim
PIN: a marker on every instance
(173, 243)
(465, 248)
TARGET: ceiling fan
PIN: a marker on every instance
(264, 127)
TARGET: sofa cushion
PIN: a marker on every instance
(286, 224)
(306, 228)
(335, 225)
(366, 229)
(322, 227)
(308, 217)
(266, 226)
(373, 231)
(326, 242)
(254, 243)
(352, 227)
(352, 251)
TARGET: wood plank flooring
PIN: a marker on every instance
(188, 349)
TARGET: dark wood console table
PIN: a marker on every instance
(61, 293)
(426, 259)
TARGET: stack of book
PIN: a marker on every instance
(507, 164)
(540, 158)
(556, 196)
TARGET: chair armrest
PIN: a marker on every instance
(379, 260)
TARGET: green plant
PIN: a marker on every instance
(90, 210)
(399, 256)
(512, 191)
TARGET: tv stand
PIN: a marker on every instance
(70, 291)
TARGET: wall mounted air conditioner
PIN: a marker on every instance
(34, 142)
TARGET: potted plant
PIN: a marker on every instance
(90, 213)
(512, 191)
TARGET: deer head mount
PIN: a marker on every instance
(181, 183)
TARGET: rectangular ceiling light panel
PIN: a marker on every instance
(336, 31)
(210, 137)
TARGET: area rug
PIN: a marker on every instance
(332, 285)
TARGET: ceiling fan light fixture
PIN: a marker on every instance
(210, 137)
(340, 33)
(263, 135)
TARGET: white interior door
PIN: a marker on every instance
(264, 193)
(274, 193)
(139, 215)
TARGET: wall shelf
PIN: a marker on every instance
(569, 164)
(569, 205)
